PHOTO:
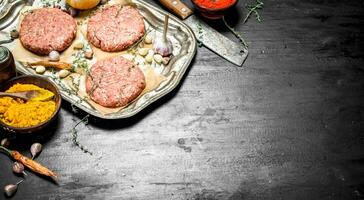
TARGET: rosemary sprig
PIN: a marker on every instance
(254, 9)
(75, 134)
(238, 35)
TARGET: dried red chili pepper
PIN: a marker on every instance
(30, 164)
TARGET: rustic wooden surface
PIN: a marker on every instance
(287, 125)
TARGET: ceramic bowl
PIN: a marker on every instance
(210, 13)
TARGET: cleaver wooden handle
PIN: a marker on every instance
(177, 7)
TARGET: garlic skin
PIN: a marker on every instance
(162, 45)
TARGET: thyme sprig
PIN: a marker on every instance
(73, 91)
(74, 132)
(237, 34)
(79, 62)
(254, 9)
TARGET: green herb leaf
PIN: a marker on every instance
(254, 9)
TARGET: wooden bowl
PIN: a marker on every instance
(38, 81)
(211, 13)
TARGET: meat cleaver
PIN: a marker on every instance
(209, 37)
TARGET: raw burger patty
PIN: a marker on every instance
(115, 28)
(47, 29)
(114, 82)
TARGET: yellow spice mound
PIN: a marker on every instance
(17, 113)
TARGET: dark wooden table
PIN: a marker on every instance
(287, 125)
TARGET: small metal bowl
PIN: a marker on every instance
(211, 13)
(38, 81)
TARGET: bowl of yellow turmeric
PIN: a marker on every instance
(30, 114)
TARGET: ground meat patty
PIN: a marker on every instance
(47, 29)
(115, 28)
(114, 82)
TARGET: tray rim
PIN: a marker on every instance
(171, 86)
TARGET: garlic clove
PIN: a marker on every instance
(14, 34)
(18, 168)
(40, 69)
(10, 189)
(89, 55)
(149, 58)
(54, 56)
(63, 73)
(143, 51)
(158, 58)
(5, 142)
(148, 39)
(35, 149)
(78, 45)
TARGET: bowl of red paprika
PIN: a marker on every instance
(213, 9)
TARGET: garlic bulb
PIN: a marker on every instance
(162, 45)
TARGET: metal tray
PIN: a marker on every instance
(181, 35)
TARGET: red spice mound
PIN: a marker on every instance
(214, 4)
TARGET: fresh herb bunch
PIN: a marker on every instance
(79, 62)
(253, 9)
